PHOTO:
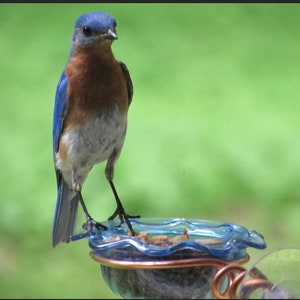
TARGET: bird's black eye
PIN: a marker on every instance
(87, 31)
(115, 24)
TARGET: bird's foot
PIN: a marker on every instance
(120, 210)
(91, 224)
(124, 217)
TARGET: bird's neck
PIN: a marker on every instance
(100, 52)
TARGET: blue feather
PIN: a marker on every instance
(67, 200)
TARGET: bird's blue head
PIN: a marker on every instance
(94, 28)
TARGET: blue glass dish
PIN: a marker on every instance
(168, 258)
(226, 241)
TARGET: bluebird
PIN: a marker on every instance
(90, 119)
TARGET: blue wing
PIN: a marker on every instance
(59, 110)
(128, 81)
(67, 200)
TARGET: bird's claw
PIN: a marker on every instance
(124, 218)
(91, 224)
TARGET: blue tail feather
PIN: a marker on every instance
(65, 214)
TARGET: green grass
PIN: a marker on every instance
(213, 130)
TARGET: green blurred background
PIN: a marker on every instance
(213, 130)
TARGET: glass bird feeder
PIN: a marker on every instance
(188, 259)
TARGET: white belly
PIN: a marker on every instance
(90, 144)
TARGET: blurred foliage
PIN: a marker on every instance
(213, 130)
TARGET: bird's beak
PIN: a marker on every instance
(111, 35)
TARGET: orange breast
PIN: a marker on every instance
(96, 83)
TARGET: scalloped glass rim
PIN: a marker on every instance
(221, 240)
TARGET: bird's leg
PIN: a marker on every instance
(90, 222)
(120, 210)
